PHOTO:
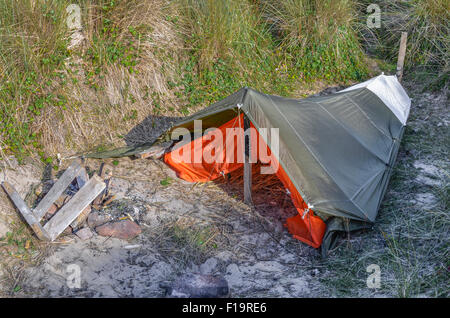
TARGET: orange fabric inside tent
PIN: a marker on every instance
(223, 157)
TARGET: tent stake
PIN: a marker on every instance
(401, 55)
(247, 164)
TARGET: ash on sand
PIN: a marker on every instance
(186, 229)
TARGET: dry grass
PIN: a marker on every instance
(92, 94)
(304, 21)
(102, 116)
(225, 30)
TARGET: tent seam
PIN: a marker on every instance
(367, 182)
(355, 138)
(326, 201)
(315, 157)
(365, 115)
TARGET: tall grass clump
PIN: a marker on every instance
(427, 24)
(32, 53)
(230, 47)
(61, 97)
(319, 37)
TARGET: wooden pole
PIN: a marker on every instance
(401, 55)
(247, 164)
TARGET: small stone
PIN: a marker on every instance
(124, 229)
(198, 286)
(39, 189)
(84, 233)
(234, 275)
(63, 199)
(96, 219)
(67, 231)
(53, 208)
(209, 267)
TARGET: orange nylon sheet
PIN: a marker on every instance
(309, 229)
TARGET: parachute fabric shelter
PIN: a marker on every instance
(335, 155)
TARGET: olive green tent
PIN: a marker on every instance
(337, 150)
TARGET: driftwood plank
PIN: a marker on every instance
(57, 189)
(70, 211)
(25, 211)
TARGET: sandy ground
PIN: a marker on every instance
(186, 229)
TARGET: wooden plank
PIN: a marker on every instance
(25, 211)
(401, 55)
(70, 211)
(57, 189)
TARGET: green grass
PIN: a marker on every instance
(113, 42)
(237, 43)
(19, 241)
(230, 46)
(319, 38)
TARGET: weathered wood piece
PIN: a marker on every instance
(27, 214)
(401, 55)
(70, 211)
(58, 188)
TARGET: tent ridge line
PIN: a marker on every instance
(363, 89)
